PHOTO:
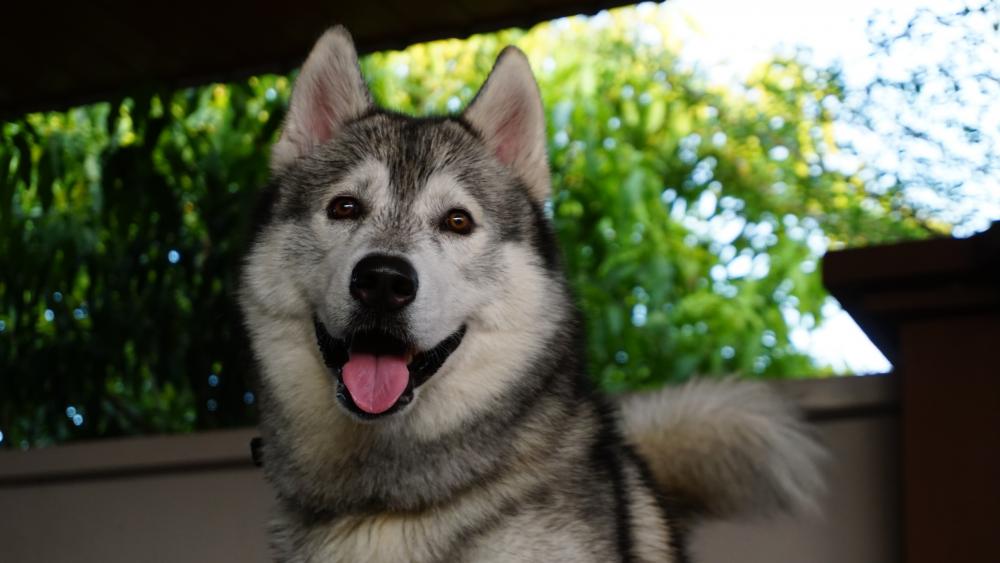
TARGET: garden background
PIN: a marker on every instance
(693, 214)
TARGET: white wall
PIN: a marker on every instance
(197, 498)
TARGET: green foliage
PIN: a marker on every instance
(123, 227)
(691, 218)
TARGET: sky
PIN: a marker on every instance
(726, 39)
(730, 36)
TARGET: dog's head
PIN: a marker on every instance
(405, 267)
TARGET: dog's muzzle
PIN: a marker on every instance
(377, 372)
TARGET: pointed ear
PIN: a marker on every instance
(508, 113)
(328, 92)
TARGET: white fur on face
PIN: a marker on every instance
(345, 243)
(498, 290)
(504, 334)
(446, 297)
(300, 269)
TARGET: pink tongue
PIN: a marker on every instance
(375, 382)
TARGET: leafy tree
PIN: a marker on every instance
(124, 227)
(691, 216)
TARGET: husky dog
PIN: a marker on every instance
(423, 392)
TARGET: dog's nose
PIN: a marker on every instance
(384, 282)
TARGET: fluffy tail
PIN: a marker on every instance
(725, 448)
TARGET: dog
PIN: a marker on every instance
(423, 391)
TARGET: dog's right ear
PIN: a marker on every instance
(328, 92)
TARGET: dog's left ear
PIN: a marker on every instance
(508, 113)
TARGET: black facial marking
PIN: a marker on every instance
(334, 350)
(426, 364)
(413, 149)
(265, 208)
(544, 239)
(464, 123)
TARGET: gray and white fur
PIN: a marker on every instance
(506, 452)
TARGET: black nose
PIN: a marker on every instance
(384, 282)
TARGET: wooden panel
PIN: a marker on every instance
(951, 439)
(933, 308)
(884, 287)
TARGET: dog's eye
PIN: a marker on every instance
(458, 221)
(344, 208)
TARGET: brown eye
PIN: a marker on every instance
(458, 221)
(344, 208)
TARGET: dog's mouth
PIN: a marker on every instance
(377, 372)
